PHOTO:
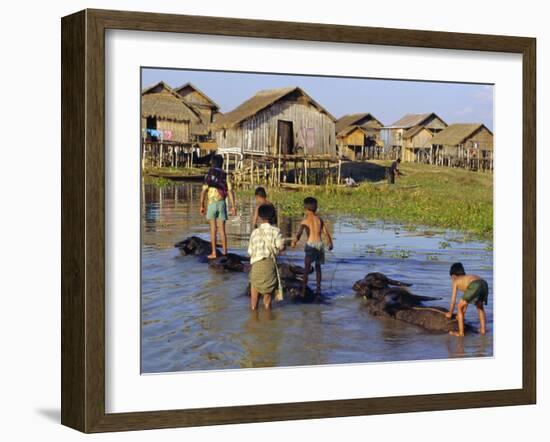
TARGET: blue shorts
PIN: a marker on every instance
(217, 210)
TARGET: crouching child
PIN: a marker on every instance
(476, 292)
(266, 242)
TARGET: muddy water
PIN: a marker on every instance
(196, 319)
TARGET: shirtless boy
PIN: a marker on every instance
(314, 250)
(476, 291)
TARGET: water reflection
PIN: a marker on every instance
(197, 319)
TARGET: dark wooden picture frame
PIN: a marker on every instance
(83, 220)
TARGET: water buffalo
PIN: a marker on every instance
(231, 262)
(291, 275)
(292, 282)
(389, 298)
(194, 245)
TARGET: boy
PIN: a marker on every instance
(314, 249)
(266, 242)
(260, 196)
(476, 291)
(217, 189)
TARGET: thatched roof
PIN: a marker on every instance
(180, 90)
(412, 131)
(161, 101)
(410, 120)
(349, 129)
(352, 119)
(259, 102)
(456, 134)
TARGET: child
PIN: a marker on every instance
(217, 189)
(476, 291)
(314, 249)
(261, 198)
(266, 242)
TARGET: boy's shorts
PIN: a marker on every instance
(315, 252)
(477, 291)
(217, 210)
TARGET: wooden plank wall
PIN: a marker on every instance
(258, 133)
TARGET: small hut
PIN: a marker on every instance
(358, 136)
(284, 121)
(165, 116)
(464, 145)
(416, 144)
(202, 104)
(408, 137)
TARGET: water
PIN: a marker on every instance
(197, 319)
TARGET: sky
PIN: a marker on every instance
(387, 100)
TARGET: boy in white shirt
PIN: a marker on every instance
(266, 242)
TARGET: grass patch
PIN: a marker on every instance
(167, 172)
(426, 195)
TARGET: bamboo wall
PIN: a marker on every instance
(412, 145)
(180, 129)
(314, 131)
(348, 144)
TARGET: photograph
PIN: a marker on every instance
(297, 220)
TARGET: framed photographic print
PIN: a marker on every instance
(270, 220)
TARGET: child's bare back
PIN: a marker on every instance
(313, 225)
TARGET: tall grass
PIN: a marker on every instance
(426, 195)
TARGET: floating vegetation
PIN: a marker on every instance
(447, 198)
(378, 251)
(444, 245)
(401, 254)
(160, 181)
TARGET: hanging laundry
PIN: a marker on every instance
(167, 134)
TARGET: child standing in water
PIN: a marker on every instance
(266, 242)
(260, 196)
(314, 250)
(217, 188)
(476, 291)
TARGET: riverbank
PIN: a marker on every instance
(425, 195)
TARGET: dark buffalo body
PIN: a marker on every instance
(291, 275)
(389, 298)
